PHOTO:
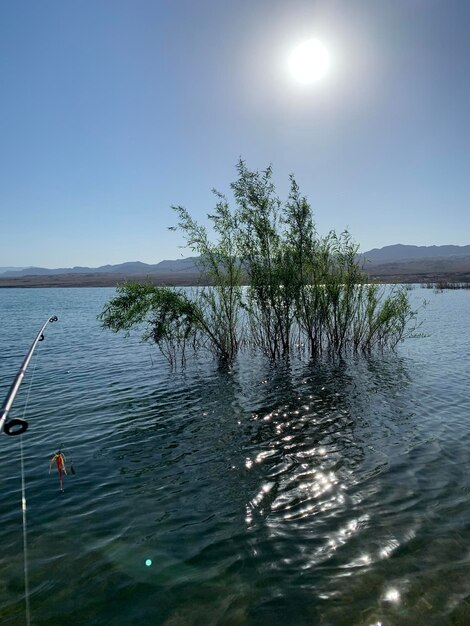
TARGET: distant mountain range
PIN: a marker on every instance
(377, 256)
(130, 268)
(400, 252)
(397, 263)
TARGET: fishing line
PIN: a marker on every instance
(25, 541)
(23, 507)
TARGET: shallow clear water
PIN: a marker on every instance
(333, 494)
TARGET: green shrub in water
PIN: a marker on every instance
(304, 292)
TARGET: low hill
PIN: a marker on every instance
(10, 269)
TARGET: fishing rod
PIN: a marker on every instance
(17, 426)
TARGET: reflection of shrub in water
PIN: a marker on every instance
(319, 454)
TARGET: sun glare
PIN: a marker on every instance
(309, 62)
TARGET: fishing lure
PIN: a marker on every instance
(59, 458)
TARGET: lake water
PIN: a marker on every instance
(333, 494)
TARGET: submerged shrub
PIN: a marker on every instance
(218, 306)
(169, 318)
(304, 292)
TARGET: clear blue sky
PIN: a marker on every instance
(112, 110)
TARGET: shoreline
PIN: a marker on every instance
(194, 279)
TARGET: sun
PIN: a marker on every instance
(309, 62)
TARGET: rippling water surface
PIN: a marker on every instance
(311, 494)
